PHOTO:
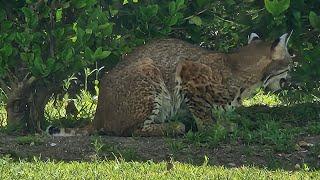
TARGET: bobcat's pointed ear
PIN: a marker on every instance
(252, 37)
(279, 48)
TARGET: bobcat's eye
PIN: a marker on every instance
(282, 82)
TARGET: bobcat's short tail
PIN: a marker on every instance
(67, 132)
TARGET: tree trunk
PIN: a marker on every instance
(17, 106)
(37, 103)
(25, 107)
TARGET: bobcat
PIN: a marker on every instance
(151, 84)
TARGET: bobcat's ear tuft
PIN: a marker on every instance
(279, 47)
(253, 37)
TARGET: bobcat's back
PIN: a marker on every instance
(165, 53)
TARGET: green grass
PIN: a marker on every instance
(3, 115)
(263, 98)
(55, 110)
(29, 140)
(267, 121)
(277, 127)
(136, 170)
(175, 146)
(102, 149)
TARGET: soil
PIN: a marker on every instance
(82, 148)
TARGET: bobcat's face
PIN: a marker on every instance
(276, 73)
(276, 80)
(263, 64)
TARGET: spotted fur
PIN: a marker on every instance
(146, 89)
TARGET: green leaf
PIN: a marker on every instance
(276, 7)
(66, 5)
(89, 31)
(30, 1)
(202, 3)
(27, 57)
(297, 15)
(80, 34)
(26, 12)
(152, 10)
(24, 56)
(179, 4)
(30, 17)
(113, 12)
(38, 65)
(100, 54)
(314, 20)
(6, 25)
(107, 28)
(50, 65)
(59, 32)
(230, 2)
(7, 50)
(74, 38)
(172, 7)
(2, 14)
(147, 13)
(104, 55)
(173, 20)
(88, 53)
(91, 2)
(59, 15)
(79, 3)
(68, 54)
(195, 20)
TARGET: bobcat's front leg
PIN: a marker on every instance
(201, 109)
(161, 129)
(202, 88)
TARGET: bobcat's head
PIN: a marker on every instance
(262, 64)
(276, 73)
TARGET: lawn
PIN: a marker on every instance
(267, 139)
(136, 170)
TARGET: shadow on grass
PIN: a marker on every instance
(266, 137)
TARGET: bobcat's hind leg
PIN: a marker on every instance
(200, 85)
(133, 98)
(127, 97)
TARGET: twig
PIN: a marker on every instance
(30, 81)
(198, 13)
(4, 86)
(12, 77)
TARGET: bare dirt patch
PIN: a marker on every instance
(82, 148)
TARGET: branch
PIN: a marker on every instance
(4, 86)
(53, 7)
(198, 13)
(12, 77)
(30, 81)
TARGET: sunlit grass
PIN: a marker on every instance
(55, 109)
(263, 98)
(85, 103)
(137, 170)
(3, 115)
